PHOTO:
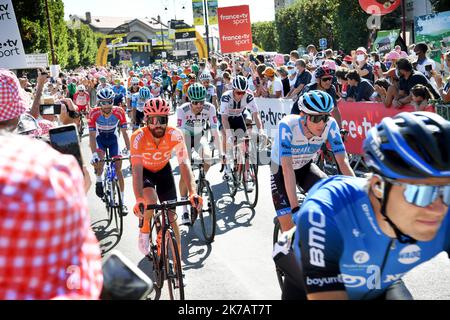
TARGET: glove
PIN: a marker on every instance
(139, 208)
(95, 158)
(196, 198)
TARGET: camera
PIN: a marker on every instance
(50, 109)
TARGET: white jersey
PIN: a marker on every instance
(194, 124)
(231, 108)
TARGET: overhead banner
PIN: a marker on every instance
(212, 11)
(12, 54)
(235, 29)
(432, 29)
(198, 13)
(184, 34)
(385, 41)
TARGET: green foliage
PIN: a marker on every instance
(265, 35)
(440, 5)
(73, 46)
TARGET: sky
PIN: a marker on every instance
(260, 10)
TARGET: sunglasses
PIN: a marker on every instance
(104, 103)
(198, 102)
(326, 79)
(240, 93)
(423, 195)
(319, 117)
(162, 120)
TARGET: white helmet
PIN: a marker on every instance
(81, 88)
(205, 76)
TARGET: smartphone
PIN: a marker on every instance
(122, 280)
(50, 109)
(65, 140)
(428, 67)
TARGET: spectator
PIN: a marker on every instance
(294, 55)
(381, 85)
(303, 78)
(391, 59)
(444, 89)
(359, 89)
(388, 96)
(361, 64)
(274, 84)
(283, 75)
(260, 81)
(348, 62)
(227, 82)
(408, 79)
(341, 76)
(423, 61)
(47, 249)
(287, 58)
(292, 73)
(420, 96)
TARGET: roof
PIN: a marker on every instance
(103, 22)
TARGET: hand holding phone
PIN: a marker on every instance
(65, 140)
(50, 109)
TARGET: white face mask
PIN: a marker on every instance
(360, 57)
(291, 71)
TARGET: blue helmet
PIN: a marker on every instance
(316, 102)
(411, 145)
(105, 94)
(144, 93)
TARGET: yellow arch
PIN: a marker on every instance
(200, 44)
(102, 54)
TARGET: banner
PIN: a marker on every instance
(38, 60)
(198, 13)
(432, 29)
(212, 11)
(185, 34)
(385, 41)
(357, 117)
(379, 7)
(12, 54)
(235, 29)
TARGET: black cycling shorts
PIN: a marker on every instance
(163, 182)
(305, 178)
(139, 118)
(238, 125)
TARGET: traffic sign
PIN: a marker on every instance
(323, 43)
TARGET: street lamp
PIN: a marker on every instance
(50, 35)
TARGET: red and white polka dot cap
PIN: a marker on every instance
(13, 99)
(47, 248)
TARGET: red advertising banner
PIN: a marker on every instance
(359, 117)
(379, 7)
(235, 29)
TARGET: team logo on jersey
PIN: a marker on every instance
(361, 257)
(353, 281)
(409, 254)
(179, 122)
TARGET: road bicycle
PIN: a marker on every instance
(164, 253)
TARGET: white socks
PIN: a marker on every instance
(184, 207)
(98, 178)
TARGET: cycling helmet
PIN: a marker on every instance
(205, 76)
(81, 88)
(324, 71)
(196, 92)
(240, 83)
(194, 68)
(102, 79)
(105, 94)
(156, 107)
(183, 76)
(192, 76)
(409, 146)
(180, 70)
(157, 80)
(144, 93)
(134, 81)
(316, 102)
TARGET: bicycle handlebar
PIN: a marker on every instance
(114, 160)
(163, 206)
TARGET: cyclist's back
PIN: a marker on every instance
(343, 248)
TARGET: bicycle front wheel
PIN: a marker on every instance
(172, 265)
(208, 213)
(276, 234)
(232, 183)
(118, 207)
(250, 182)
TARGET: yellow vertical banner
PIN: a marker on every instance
(212, 11)
(197, 11)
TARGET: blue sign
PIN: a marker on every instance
(323, 43)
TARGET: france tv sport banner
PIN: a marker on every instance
(235, 29)
(12, 54)
(197, 11)
(212, 11)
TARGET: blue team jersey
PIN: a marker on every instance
(343, 247)
(138, 103)
(290, 141)
(120, 90)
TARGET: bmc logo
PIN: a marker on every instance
(409, 254)
(316, 238)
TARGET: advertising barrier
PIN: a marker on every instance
(357, 117)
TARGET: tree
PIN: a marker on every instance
(265, 35)
(440, 5)
(287, 24)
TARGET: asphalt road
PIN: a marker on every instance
(238, 264)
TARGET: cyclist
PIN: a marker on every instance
(152, 147)
(297, 142)
(81, 98)
(156, 88)
(324, 82)
(191, 79)
(179, 92)
(211, 92)
(103, 84)
(166, 83)
(120, 93)
(388, 223)
(138, 101)
(104, 122)
(237, 108)
(192, 119)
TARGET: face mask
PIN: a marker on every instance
(388, 64)
(291, 71)
(360, 57)
(413, 54)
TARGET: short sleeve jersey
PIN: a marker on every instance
(229, 107)
(107, 125)
(194, 124)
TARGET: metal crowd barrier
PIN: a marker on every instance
(443, 110)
